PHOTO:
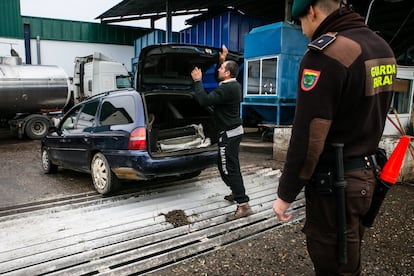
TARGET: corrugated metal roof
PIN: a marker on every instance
(141, 9)
(393, 19)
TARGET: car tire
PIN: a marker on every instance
(103, 178)
(47, 165)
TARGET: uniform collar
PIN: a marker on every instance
(228, 80)
(340, 20)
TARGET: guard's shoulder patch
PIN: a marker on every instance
(322, 42)
(309, 80)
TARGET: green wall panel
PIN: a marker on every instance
(10, 19)
(66, 30)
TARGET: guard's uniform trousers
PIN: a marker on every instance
(320, 227)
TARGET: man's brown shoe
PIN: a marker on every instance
(243, 210)
(229, 197)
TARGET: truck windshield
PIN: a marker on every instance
(123, 82)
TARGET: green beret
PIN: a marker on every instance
(300, 7)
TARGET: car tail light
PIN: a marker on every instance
(138, 139)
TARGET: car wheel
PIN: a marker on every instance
(103, 178)
(47, 165)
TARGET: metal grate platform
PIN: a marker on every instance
(128, 233)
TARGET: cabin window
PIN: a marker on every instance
(261, 76)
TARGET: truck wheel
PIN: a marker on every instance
(36, 128)
(103, 178)
(47, 165)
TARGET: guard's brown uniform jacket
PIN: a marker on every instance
(345, 87)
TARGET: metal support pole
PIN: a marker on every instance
(39, 60)
(168, 21)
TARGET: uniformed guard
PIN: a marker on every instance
(346, 82)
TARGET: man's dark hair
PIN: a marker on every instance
(233, 68)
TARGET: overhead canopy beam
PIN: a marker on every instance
(153, 16)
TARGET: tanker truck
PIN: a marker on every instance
(31, 95)
(34, 97)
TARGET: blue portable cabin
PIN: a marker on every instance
(272, 55)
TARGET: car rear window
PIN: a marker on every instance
(117, 111)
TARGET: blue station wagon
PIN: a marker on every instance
(159, 131)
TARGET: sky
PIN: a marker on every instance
(87, 10)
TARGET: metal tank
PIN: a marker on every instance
(31, 88)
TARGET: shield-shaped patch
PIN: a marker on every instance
(309, 79)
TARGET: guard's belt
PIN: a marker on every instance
(350, 164)
(357, 163)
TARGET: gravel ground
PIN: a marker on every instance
(388, 247)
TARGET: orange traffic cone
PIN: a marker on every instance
(392, 168)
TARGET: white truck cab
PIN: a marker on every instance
(98, 73)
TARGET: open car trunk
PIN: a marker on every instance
(178, 125)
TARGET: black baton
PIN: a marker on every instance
(339, 185)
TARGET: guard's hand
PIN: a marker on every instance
(196, 74)
(279, 207)
(223, 54)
